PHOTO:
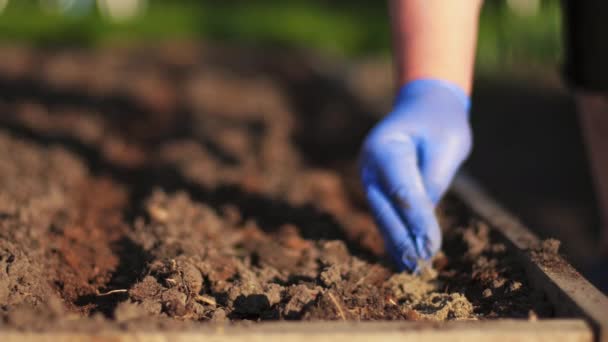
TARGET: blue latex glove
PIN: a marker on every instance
(408, 161)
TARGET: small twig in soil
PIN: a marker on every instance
(333, 299)
(101, 294)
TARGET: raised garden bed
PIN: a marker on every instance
(154, 191)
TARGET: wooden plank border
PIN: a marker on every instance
(570, 330)
(571, 294)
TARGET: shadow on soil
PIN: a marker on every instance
(313, 94)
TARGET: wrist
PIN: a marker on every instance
(437, 90)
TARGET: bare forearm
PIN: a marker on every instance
(435, 39)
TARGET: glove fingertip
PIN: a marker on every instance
(424, 229)
(407, 260)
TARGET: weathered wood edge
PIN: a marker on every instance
(571, 294)
(570, 330)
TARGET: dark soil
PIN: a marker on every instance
(181, 183)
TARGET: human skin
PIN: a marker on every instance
(435, 39)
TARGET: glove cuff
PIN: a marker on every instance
(428, 86)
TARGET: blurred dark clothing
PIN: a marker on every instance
(586, 43)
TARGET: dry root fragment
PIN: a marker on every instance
(102, 294)
(206, 299)
(338, 306)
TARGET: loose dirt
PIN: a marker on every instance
(178, 184)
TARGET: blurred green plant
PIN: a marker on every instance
(508, 40)
(352, 28)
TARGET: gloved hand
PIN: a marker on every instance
(408, 161)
